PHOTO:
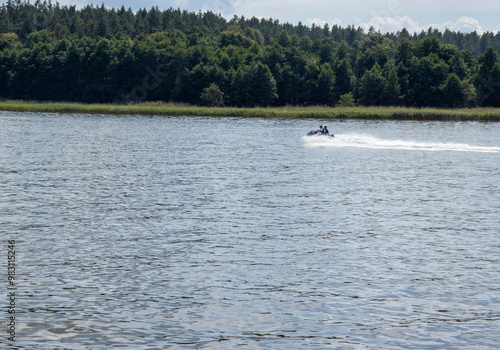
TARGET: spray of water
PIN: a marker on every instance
(367, 141)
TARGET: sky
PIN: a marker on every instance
(384, 15)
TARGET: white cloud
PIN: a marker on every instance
(397, 23)
(449, 6)
(465, 24)
(321, 22)
(391, 24)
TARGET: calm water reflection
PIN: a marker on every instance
(199, 233)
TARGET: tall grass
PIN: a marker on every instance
(316, 112)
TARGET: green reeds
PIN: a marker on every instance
(316, 112)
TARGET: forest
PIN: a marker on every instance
(50, 52)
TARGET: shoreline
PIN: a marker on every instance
(288, 112)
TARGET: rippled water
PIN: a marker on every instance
(202, 233)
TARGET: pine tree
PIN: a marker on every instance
(372, 87)
(488, 79)
(325, 86)
(392, 91)
(344, 75)
(453, 93)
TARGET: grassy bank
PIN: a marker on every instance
(157, 108)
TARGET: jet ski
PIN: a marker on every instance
(317, 133)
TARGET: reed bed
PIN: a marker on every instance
(316, 112)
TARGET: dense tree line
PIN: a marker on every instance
(95, 54)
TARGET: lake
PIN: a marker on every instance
(140, 232)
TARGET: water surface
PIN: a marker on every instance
(204, 233)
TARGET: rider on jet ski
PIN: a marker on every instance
(323, 130)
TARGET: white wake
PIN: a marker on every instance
(366, 141)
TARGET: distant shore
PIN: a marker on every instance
(316, 112)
